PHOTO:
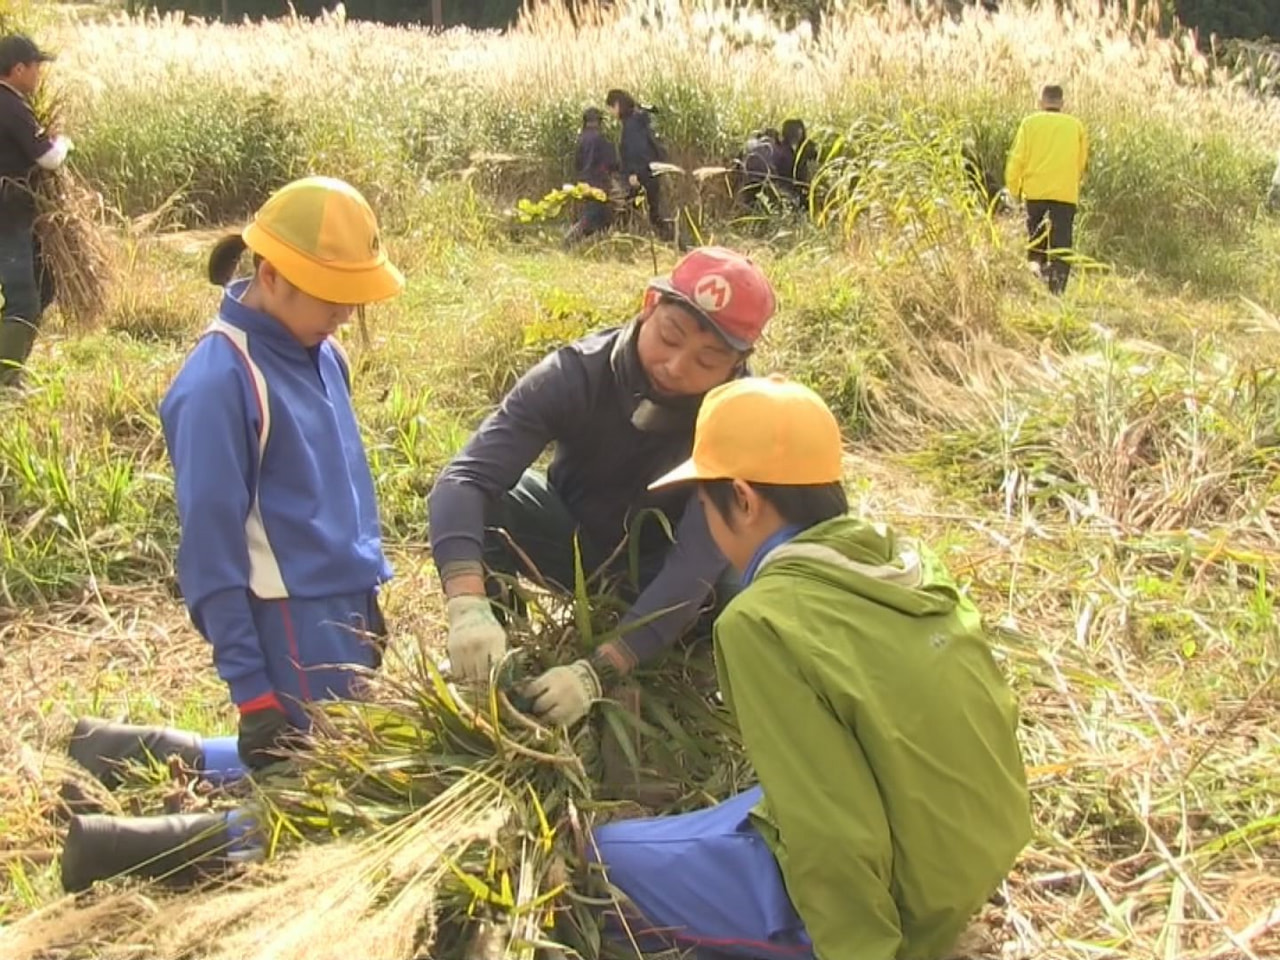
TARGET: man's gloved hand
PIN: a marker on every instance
(476, 638)
(563, 694)
(263, 735)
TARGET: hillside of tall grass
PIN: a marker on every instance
(1101, 472)
(205, 118)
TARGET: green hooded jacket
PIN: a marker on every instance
(883, 736)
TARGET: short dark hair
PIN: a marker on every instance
(625, 103)
(1052, 93)
(17, 49)
(794, 129)
(802, 504)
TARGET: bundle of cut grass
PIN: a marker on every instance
(433, 818)
(75, 262)
(662, 745)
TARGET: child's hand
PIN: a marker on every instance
(264, 736)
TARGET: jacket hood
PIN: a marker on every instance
(871, 561)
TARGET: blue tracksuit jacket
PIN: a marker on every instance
(280, 554)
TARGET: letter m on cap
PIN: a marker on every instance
(713, 293)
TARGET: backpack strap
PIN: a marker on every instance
(265, 578)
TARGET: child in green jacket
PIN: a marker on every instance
(892, 798)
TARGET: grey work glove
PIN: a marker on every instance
(563, 694)
(476, 638)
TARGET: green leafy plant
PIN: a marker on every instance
(553, 203)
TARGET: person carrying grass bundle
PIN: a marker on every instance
(1046, 164)
(639, 150)
(280, 556)
(619, 407)
(892, 797)
(25, 150)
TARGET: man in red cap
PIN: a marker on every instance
(619, 407)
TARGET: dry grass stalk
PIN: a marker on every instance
(331, 902)
(69, 228)
(73, 247)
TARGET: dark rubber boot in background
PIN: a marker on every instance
(178, 849)
(103, 749)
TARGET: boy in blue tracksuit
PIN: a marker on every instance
(280, 555)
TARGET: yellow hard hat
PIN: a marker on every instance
(763, 430)
(322, 236)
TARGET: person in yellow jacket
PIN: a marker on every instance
(1045, 167)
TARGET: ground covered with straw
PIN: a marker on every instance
(1102, 473)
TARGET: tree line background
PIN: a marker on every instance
(1242, 19)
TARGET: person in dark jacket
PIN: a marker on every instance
(619, 407)
(794, 160)
(639, 149)
(595, 163)
(26, 149)
(777, 168)
(757, 165)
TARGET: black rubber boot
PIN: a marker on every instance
(178, 849)
(16, 340)
(103, 748)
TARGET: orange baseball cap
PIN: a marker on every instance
(322, 236)
(763, 430)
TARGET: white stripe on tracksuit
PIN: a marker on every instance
(265, 580)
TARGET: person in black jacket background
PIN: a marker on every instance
(26, 150)
(639, 149)
(595, 163)
(793, 161)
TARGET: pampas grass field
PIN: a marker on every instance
(1101, 472)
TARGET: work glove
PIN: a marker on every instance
(264, 735)
(563, 694)
(476, 639)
